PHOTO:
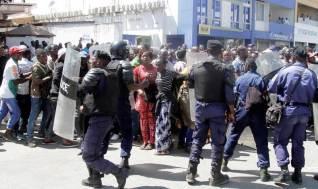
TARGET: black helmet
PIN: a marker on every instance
(119, 50)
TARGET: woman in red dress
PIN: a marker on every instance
(145, 102)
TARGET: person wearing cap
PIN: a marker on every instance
(250, 114)
(213, 88)
(8, 91)
(23, 93)
(240, 61)
(100, 89)
(40, 88)
(295, 87)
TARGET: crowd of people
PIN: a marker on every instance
(143, 95)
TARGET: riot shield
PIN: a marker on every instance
(268, 62)
(64, 121)
(314, 67)
(193, 58)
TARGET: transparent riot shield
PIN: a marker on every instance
(268, 62)
(64, 121)
(193, 58)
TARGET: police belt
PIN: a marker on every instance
(294, 103)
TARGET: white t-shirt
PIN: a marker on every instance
(8, 89)
(25, 66)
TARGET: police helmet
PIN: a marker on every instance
(119, 50)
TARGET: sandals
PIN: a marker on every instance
(164, 152)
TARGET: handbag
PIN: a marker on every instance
(275, 111)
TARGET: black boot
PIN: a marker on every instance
(225, 168)
(316, 177)
(191, 172)
(296, 177)
(94, 179)
(124, 163)
(121, 175)
(217, 178)
(283, 176)
(264, 175)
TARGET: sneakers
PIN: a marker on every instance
(149, 147)
(31, 143)
(143, 146)
(121, 177)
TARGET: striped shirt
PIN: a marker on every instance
(164, 82)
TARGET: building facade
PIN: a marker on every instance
(143, 21)
(306, 25)
(261, 22)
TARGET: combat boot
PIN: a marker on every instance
(124, 163)
(296, 177)
(191, 172)
(121, 176)
(93, 180)
(283, 176)
(264, 175)
(225, 168)
(217, 178)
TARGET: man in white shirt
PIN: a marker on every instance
(23, 94)
(8, 91)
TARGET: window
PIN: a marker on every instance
(247, 18)
(235, 15)
(260, 11)
(216, 7)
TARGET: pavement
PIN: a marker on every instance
(57, 167)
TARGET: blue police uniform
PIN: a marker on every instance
(95, 86)
(295, 114)
(210, 115)
(253, 117)
(213, 92)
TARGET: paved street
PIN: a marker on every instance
(56, 167)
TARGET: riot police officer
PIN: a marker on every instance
(124, 71)
(96, 85)
(250, 111)
(214, 97)
(295, 86)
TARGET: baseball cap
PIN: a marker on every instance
(15, 50)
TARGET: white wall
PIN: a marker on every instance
(70, 32)
(14, 41)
